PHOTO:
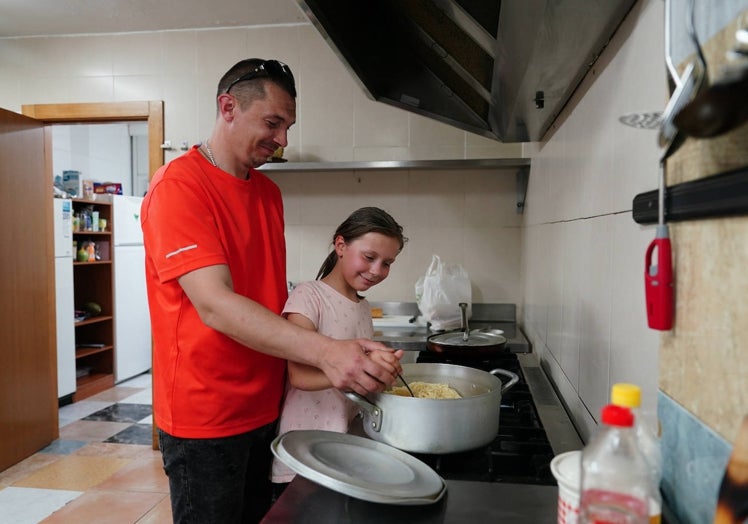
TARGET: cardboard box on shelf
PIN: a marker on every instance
(109, 188)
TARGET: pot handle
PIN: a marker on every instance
(513, 378)
(374, 411)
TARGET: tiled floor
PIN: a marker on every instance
(103, 468)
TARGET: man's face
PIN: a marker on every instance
(263, 126)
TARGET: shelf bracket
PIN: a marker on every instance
(523, 176)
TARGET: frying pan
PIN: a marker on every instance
(464, 343)
(721, 107)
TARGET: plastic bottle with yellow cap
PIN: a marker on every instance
(629, 396)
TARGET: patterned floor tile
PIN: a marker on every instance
(116, 393)
(31, 505)
(106, 506)
(91, 430)
(142, 397)
(135, 434)
(115, 450)
(122, 413)
(64, 447)
(74, 472)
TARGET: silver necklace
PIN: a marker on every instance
(210, 154)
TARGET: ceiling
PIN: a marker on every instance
(22, 18)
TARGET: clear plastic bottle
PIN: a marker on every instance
(615, 480)
(629, 396)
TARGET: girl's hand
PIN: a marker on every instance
(387, 359)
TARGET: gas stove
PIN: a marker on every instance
(533, 424)
(520, 453)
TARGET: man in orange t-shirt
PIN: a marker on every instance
(215, 270)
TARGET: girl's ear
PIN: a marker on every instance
(339, 244)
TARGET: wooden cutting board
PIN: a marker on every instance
(732, 502)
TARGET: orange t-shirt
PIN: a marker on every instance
(205, 384)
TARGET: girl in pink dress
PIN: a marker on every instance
(364, 248)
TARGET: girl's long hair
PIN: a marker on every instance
(360, 222)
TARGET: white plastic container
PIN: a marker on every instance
(567, 468)
(615, 482)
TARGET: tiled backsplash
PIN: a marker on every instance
(694, 460)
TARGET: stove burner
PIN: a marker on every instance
(520, 453)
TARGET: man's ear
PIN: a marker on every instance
(226, 105)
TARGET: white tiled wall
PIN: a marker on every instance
(336, 120)
(583, 254)
(465, 217)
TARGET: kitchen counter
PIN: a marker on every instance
(411, 336)
(464, 502)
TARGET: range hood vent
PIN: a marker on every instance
(503, 70)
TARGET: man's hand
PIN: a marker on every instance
(347, 365)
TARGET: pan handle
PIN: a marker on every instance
(372, 410)
(513, 378)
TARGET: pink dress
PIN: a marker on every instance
(338, 317)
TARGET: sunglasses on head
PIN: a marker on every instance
(268, 68)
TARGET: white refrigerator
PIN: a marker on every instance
(132, 324)
(64, 296)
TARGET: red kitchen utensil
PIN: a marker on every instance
(658, 279)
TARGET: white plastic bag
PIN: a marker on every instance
(439, 293)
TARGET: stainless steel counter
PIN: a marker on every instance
(559, 429)
(465, 502)
(485, 316)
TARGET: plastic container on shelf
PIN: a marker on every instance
(629, 396)
(615, 480)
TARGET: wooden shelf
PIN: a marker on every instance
(92, 263)
(94, 320)
(95, 284)
(84, 352)
(92, 384)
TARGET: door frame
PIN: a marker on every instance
(151, 111)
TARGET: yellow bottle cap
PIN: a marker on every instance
(627, 395)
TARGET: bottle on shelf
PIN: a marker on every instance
(629, 396)
(615, 481)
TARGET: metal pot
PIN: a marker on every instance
(423, 425)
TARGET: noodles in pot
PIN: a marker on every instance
(425, 390)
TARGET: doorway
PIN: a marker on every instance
(105, 152)
(151, 112)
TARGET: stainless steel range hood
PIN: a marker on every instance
(500, 69)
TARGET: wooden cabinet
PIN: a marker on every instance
(94, 303)
(28, 375)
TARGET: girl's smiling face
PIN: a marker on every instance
(365, 261)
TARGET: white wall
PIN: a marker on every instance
(583, 254)
(101, 152)
(336, 121)
(466, 217)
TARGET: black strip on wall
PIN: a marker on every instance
(721, 195)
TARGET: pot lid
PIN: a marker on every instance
(476, 339)
(359, 467)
